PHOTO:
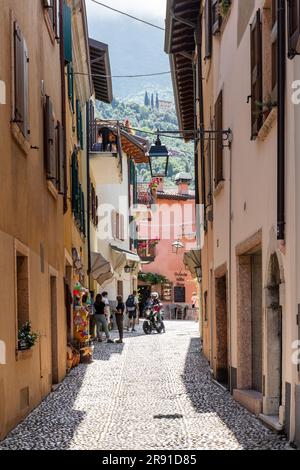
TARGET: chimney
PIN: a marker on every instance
(183, 181)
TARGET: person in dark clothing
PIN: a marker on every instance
(100, 318)
(120, 317)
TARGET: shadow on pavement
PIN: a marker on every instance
(207, 397)
(54, 422)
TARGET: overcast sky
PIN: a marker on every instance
(146, 9)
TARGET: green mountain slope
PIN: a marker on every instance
(149, 120)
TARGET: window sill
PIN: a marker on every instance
(19, 138)
(52, 190)
(267, 125)
(22, 355)
(219, 188)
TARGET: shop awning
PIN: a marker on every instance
(192, 260)
(101, 269)
(121, 258)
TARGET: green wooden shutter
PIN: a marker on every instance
(49, 140)
(67, 32)
(70, 84)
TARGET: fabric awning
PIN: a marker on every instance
(101, 269)
(192, 260)
(122, 257)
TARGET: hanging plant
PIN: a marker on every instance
(224, 7)
(153, 279)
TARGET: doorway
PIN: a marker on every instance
(221, 364)
(54, 331)
(273, 320)
(250, 322)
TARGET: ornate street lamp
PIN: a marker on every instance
(158, 159)
(176, 246)
(127, 269)
(198, 273)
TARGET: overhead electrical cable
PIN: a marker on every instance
(128, 15)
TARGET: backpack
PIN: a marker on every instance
(130, 302)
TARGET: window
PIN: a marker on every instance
(256, 76)
(93, 205)
(274, 42)
(53, 10)
(208, 29)
(22, 288)
(118, 225)
(120, 288)
(70, 75)
(50, 141)
(205, 306)
(21, 82)
(219, 139)
(54, 154)
(78, 199)
(179, 294)
(293, 27)
(79, 123)
(67, 32)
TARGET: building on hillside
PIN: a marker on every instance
(165, 233)
(32, 217)
(165, 105)
(247, 56)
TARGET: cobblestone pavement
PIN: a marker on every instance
(152, 392)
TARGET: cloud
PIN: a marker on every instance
(145, 9)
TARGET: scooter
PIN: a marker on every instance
(154, 320)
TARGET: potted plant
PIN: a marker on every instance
(266, 106)
(26, 337)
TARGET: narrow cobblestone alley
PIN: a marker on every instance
(152, 392)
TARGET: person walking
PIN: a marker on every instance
(132, 309)
(120, 317)
(99, 307)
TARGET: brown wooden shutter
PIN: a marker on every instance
(293, 28)
(208, 29)
(256, 76)
(49, 141)
(219, 139)
(216, 18)
(19, 104)
(61, 158)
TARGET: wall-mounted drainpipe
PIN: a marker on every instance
(281, 64)
(199, 102)
(63, 102)
(88, 127)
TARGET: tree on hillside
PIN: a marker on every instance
(146, 101)
(157, 101)
(152, 101)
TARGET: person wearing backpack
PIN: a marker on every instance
(132, 307)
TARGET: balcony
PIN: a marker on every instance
(105, 152)
(144, 195)
(146, 250)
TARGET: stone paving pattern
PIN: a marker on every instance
(152, 392)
